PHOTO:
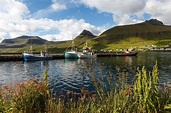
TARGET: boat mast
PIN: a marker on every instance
(86, 42)
(31, 49)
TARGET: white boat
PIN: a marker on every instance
(87, 53)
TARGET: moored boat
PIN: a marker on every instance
(29, 56)
(32, 57)
(87, 53)
(71, 54)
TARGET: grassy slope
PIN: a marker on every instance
(137, 35)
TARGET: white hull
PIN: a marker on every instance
(83, 55)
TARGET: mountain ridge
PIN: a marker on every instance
(148, 32)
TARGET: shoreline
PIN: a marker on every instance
(19, 57)
(5, 57)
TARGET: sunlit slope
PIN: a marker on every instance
(137, 35)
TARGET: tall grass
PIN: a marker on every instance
(113, 95)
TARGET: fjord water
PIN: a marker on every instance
(71, 75)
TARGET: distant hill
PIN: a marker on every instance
(140, 35)
(145, 30)
(25, 40)
(146, 33)
(22, 41)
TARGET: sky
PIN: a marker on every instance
(59, 20)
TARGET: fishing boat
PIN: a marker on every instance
(87, 53)
(29, 56)
(72, 54)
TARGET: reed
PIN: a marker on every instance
(113, 95)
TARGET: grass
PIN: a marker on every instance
(144, 95)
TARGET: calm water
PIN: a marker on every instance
(72, 75)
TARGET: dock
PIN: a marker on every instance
(19, 57)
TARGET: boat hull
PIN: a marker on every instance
(31, 57)
(83, 56)
(72, 55)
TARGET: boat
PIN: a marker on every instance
(29, 56)
(87, 53)
(129, 53)
(71, 54)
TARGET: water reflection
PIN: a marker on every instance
(73, 74)
(128, 60)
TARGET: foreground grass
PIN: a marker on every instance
(144, 95)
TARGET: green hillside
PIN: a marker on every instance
(141, 35)
(137, 35)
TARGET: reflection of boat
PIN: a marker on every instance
(29, 56)
(72, 53)
(87, 53)
(132, 53)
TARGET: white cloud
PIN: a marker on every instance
(57, 7)
(54, 7)
(123, 10)
(69, 29)
(159, 9)
(12, 9)
(14, 19)
(14, 22)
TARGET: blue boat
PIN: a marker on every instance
(71, 54)
(31, 57)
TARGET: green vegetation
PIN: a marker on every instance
(136, 36)
(145, 95)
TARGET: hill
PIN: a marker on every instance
(140, 35)
(151, 32)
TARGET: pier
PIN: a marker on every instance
(19, 57)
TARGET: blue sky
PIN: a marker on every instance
(58, 20)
